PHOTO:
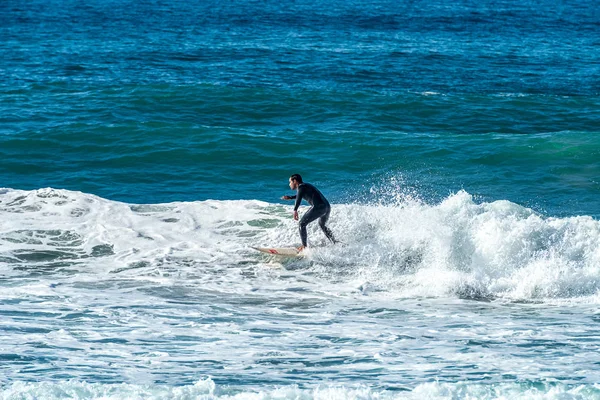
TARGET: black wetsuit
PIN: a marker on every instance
(320, 209)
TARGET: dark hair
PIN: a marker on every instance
(296, 177)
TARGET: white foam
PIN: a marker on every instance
(455, 248)
(207, 389)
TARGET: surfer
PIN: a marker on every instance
(320, 208)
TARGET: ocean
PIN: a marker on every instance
(145, 146)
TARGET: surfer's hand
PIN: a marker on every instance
(296, 215)
(286, 198)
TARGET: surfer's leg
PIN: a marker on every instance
(306, 219)
(322, 221)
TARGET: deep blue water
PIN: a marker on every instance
(164, 101)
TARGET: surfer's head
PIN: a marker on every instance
(295, 180)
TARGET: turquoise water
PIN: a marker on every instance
(144, 148)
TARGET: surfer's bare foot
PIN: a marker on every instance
(300, 248)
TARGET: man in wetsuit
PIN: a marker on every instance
(320, 208)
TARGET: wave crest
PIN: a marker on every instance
(458, 247)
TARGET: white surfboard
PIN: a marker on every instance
(279, 251)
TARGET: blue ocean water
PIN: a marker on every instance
(144, 147)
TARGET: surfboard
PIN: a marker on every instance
(279, 251)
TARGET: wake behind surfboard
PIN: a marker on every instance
(279, 251)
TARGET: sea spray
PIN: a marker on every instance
(457, 247)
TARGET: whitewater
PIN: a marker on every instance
(105, 299)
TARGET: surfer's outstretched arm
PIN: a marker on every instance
(288, 197)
